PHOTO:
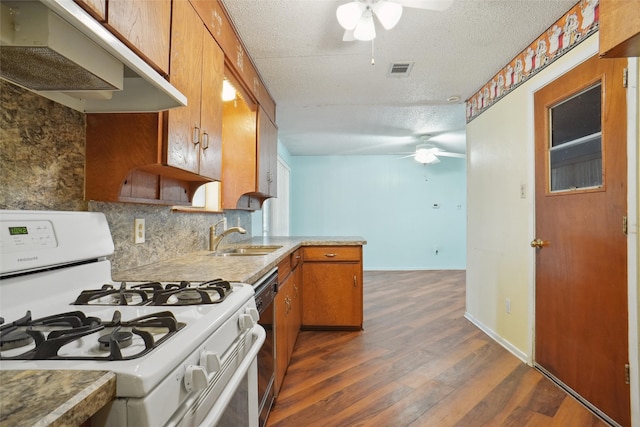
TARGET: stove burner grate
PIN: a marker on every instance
(77, 325)
(108, 295)
(157, 294)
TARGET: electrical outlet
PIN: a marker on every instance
(507, 306)
(523, 191)
(139, 231)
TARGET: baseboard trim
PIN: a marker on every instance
(497, 338)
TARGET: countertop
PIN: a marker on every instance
(53, 398)
(63, 398)
(202, 266)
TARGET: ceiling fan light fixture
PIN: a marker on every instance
(426, 158)
(425, 154)
(349, 14)
(388, 13)
(365, 30)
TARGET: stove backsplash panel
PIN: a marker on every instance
(42, 152)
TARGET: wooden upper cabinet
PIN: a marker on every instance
(197, 63)
(238, 153)
(267, 155)
(211, 108)
(164, 157)
(145, 26)
(217, 21)
(95, 8)
(249, 157)
(619, 28)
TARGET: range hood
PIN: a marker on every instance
(57, 50)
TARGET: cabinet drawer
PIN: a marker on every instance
(284, 268)
(296, 257)
(332, 253)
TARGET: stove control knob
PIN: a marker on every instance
(246, 322)
(195, 378)
(253, 312)
(210, 360)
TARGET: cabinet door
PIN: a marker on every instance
(267, 155)
(211, 109)
(145, 27)
(281, 310)
(183, 136)
(296, 309)
(332, 294)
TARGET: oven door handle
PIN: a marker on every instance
(212, 418)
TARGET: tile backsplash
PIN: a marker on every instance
(42, 146)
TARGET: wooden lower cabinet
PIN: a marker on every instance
(319, 287)
(332, 291)
(288, 308)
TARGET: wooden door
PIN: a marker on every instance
(581, 325)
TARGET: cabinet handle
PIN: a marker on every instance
(296, 289)
(330, 255)
(287, 301)
(196, 135)
(355, 281)
(205, 140)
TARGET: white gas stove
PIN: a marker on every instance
(183, 353)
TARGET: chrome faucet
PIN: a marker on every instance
(214, 240)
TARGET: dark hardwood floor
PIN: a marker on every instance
(418, 362)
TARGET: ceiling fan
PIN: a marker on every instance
(356, 17)
(428, 154)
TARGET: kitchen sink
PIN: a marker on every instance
(253, 250)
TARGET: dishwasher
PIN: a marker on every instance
(265, 292)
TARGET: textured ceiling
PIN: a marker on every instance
(331, 100)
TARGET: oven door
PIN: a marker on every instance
(231, 397)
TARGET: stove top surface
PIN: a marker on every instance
(55, 263)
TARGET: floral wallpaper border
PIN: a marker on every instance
(575, 26)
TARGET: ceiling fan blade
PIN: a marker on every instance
(450, 154)
(349, 14)
(388, 13)
(437, 5)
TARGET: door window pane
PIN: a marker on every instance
(575, 153)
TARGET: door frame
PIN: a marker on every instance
(586, 50)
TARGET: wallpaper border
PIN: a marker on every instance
(581, 21)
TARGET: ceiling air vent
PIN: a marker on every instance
(400, 69)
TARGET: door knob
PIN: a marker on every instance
(537, 243)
